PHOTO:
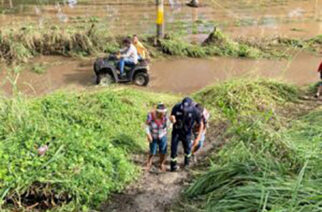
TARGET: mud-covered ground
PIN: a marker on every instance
(156, 191)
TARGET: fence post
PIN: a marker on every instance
(160, 19)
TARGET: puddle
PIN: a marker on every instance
(175, 75)
(294, 18)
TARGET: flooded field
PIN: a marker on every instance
(295, 18)
(175, 75)
(246, 18)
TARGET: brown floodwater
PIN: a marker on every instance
(294, 18)
(174, 76)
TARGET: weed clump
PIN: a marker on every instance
(244, 96)
(38, 68)
(95, 135)
(217, 44)
(18, 45)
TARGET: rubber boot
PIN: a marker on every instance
(173, 166)
(186, 161)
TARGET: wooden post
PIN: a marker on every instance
(160, 19)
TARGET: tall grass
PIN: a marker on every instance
(264, 166)
(217, 44)
(23, 43)
(85, 39)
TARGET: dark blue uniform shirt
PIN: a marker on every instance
(185, 119)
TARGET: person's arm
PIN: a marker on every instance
(147, 129)
(172, 116)
(132, 51)
(144, 49)
(128, 52)
(199, 121)
(173, 119)
(123, 50)
(200, 131)
(148, 134)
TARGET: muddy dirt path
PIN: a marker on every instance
(161, 192)
(175, 75)
(157, 191)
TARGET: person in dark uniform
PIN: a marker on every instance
(184, 116)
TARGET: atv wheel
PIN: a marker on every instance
(106, 79)
(141, 79)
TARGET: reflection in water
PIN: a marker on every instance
(60, 15)
(298, 12)
(71, 3)
(175, 5)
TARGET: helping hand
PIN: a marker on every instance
(150, 139)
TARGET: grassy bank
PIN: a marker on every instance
(90, 157)
(262, 166)
(21, 44)
(271, 159)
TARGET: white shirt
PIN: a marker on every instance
(130, 53)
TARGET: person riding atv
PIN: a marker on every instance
(127, 56)
(122, 67)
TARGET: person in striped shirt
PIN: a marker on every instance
(156, 130)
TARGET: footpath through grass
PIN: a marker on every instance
(271, 160)
(263, 166)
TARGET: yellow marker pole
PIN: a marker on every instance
(160, 19)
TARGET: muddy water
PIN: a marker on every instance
(188, 75)
(296, 18)
(176, 75)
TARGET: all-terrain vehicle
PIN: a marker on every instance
(106, 72)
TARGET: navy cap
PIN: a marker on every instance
(187, 102)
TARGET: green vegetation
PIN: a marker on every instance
(39, 68)
(263, 166)
(22, 44)
(90, 157)
(278, 44)
(87, 39)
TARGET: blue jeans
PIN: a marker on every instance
(127, 62)
(162, 143)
